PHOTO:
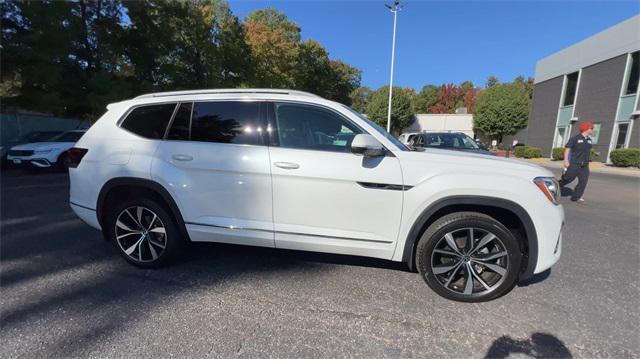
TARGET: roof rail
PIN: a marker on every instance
(228, 91)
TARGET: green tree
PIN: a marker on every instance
(491, 81)
(402, 114)
(426, 98)
(359, 98)
(502, 109)
(273, 40)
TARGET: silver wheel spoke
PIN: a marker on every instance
(128, 234)
(468, 284)
(494, 267)
(133, 218)
(444, 269)
(489, 256)
(154, 254)
(451, 254)
(158, 244)
(130, 250)
(152, 220)
(139, 215)
(478, 278)
(451, 242)
(453, 274)
(124, 226)
(469, 245)
(484, 241)
(158, 230)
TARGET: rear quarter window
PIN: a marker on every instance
(149, 121)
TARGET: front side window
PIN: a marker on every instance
(313, 128)
(236, 122)
(634, 74)
(570, 89)
(149, 121)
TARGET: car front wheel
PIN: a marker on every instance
(469, 257)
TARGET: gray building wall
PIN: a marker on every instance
(544, 113)
(634, 141)
(597, 100)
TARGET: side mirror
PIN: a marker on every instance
(367, 145)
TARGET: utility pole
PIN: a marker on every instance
(395, 8)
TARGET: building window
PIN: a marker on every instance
(596, 133)
(634, 74)
(571, 86)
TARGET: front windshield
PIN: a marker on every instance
(69, 137)
(450, 140)
(381, 130)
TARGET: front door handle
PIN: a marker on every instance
(287, 165)
(182, 158)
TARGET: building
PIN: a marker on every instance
(593, 80)
(442, 123)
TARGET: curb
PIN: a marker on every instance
(596, 167)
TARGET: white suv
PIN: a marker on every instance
(288, 169)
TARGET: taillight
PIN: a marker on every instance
(74, 156)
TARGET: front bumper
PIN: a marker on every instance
(33, 162)
(550, 239)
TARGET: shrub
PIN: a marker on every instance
(557, 154)
(626, 157)
(532, 152)
(519, 151)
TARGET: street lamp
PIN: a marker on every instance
(394, 9)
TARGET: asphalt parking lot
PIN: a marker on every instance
(64, 292)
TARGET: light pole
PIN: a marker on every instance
(394, 9)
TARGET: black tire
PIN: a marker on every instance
(150, 246)
(434, 251)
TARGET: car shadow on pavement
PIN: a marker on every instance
(540, 345)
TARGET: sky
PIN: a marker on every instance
(446, 41)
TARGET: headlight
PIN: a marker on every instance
(549, 186)
(45, 151)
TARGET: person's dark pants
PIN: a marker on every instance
(580, 170)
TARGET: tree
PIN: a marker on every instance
(273, 40)
(359, 98)
(502, 109)
(491, 81)
(426, 98)
(402, 114)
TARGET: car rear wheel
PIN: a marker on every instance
(468, 257)
(144, 233)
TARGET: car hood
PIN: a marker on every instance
(432, 162)
(43, 146)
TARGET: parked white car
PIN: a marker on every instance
(291, 170)
(44, 154)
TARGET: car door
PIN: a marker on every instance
(326, 198)
(215, 162)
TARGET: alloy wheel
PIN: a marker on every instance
(140, 234)
(470, 261)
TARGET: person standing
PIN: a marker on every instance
(576, 160)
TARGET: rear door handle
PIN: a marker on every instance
(182, 158)
(287, 165)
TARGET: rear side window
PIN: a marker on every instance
(235, 122)
(149, 121)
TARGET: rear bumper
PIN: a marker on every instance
(86, 214)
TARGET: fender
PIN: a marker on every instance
(408, 253)
(143, 183)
